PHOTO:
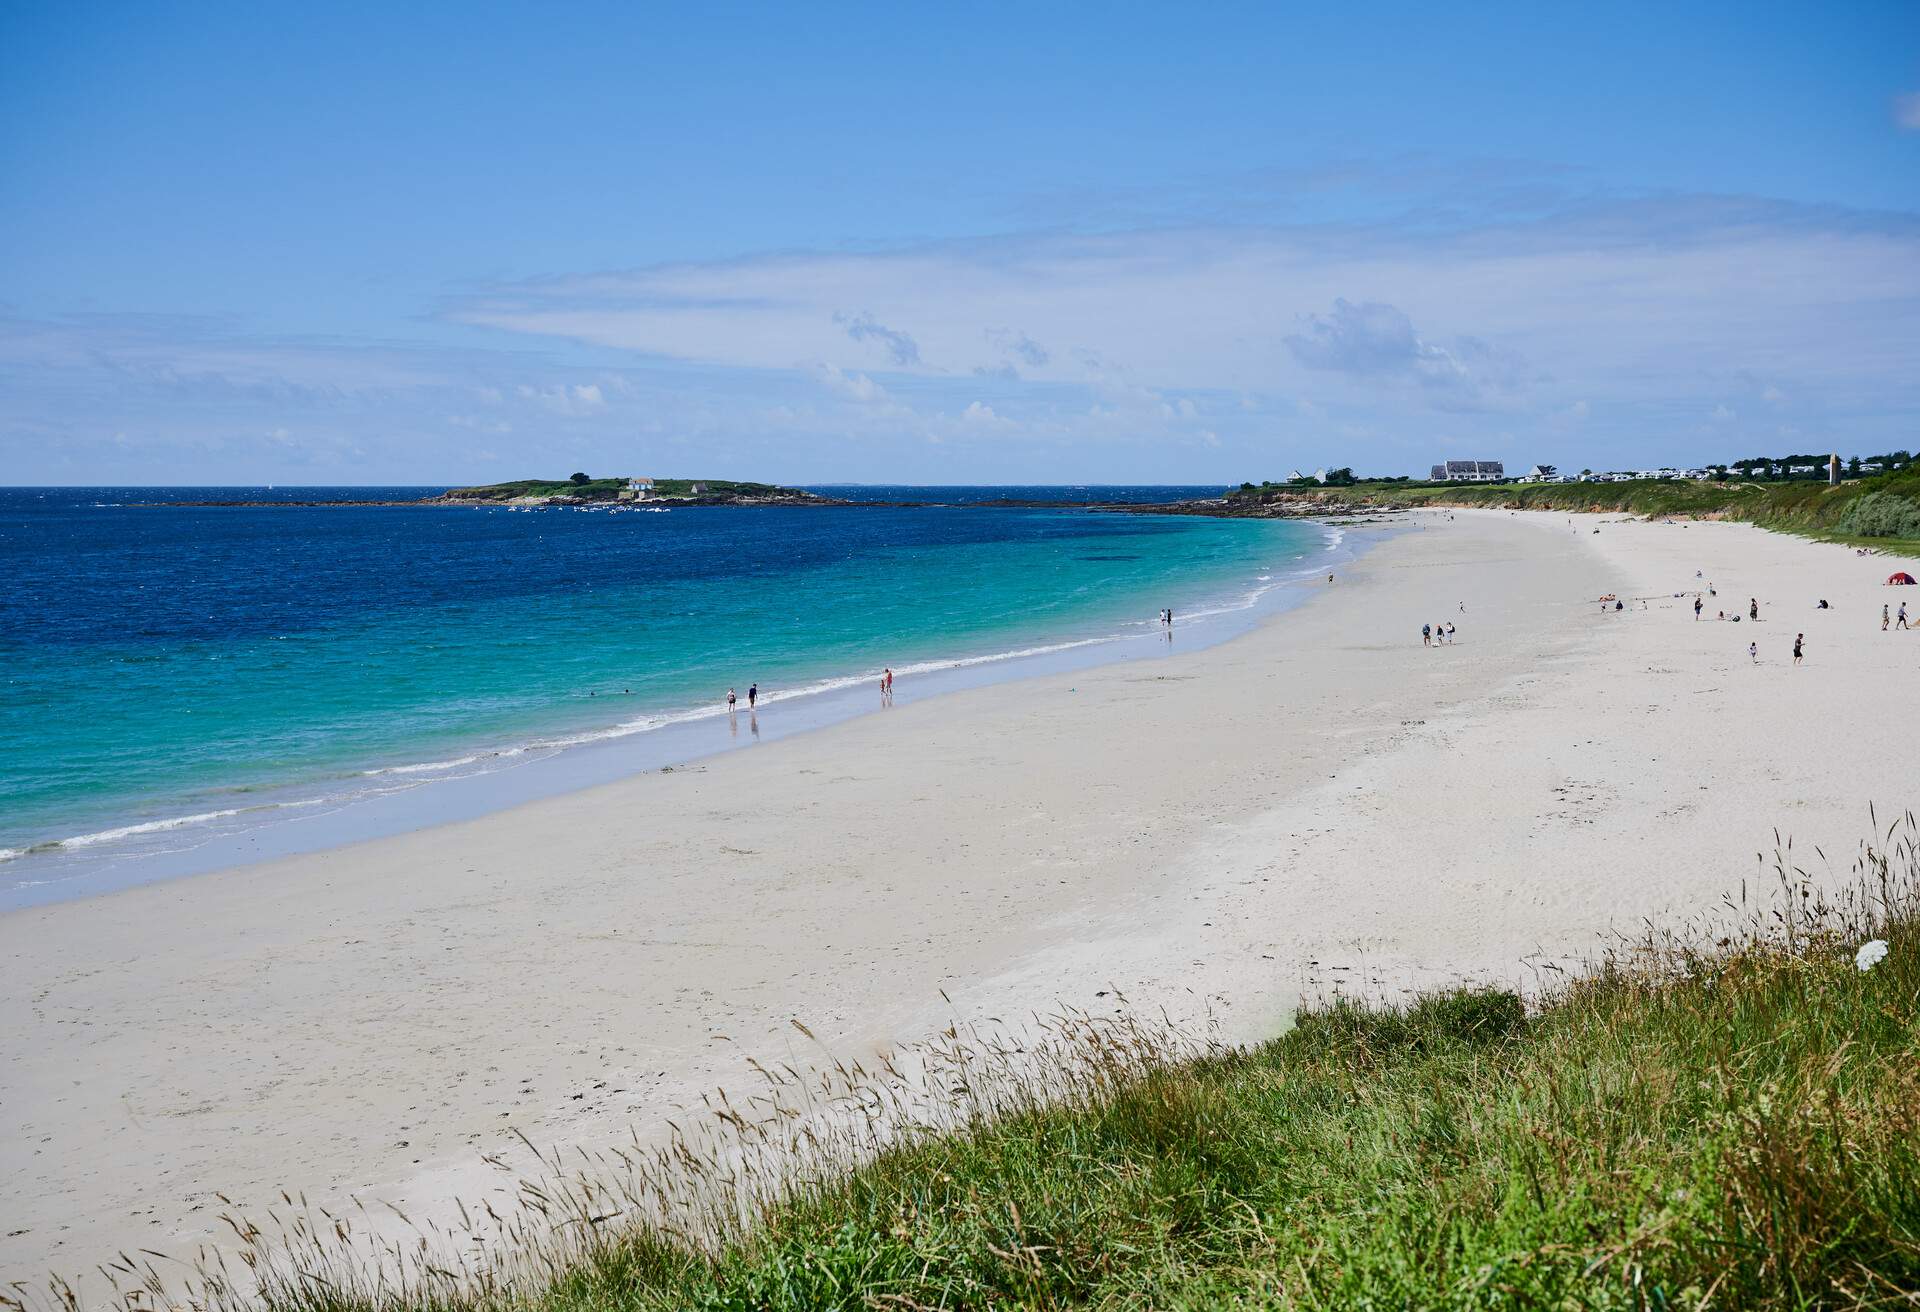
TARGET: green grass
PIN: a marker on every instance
(1869, 511)
(1727, 1121)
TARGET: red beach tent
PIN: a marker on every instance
(1901, 577)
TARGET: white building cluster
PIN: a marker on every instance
(1491, 471)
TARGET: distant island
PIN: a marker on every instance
(580, 490)
(577, 491)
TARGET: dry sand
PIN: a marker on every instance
(1322, 803)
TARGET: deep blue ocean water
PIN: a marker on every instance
(167, 668)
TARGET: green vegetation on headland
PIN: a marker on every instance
(581, 490)
(1880, 507)
(1727, 1120)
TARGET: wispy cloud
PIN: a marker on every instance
(900, 348)
(1616, 322)
(1377, 341)
(1617, 299)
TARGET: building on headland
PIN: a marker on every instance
(1541, 474)
(637, 489)
(1469, 471)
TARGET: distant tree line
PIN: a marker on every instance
(1341, 477)
(1811, 466)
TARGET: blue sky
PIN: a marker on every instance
(251, 243)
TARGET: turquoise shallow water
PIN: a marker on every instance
(169, 668)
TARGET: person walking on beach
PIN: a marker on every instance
(1426, 635)
(1900, 620)
(1698, 606)
(730, 701)
(1753, 652)
(1799, 645)
(1449, 630)
(753, 695)
(1884, 620)
(1753, 608)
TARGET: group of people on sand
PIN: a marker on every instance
(753, 697)
(1436, 635)
(1898, 622)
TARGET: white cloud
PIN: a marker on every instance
(855, 387)
(1648, 302)
(479, 425)
(575, 400)
(1772, 395)
(1722, 415)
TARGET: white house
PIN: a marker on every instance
(1541, 474)
(638, 489)
(1468, 471)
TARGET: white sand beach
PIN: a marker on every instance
(1321, 803)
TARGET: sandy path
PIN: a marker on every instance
(1319, 802)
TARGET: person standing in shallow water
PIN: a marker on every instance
(753, 695)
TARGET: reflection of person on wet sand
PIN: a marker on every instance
(753, 723)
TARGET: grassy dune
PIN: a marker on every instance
(1869, 510)
(1723, 1116)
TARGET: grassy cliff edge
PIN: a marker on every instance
(1886, 506)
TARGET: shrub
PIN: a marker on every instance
(1882, 515)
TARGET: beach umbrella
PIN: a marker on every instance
(1901, 577)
